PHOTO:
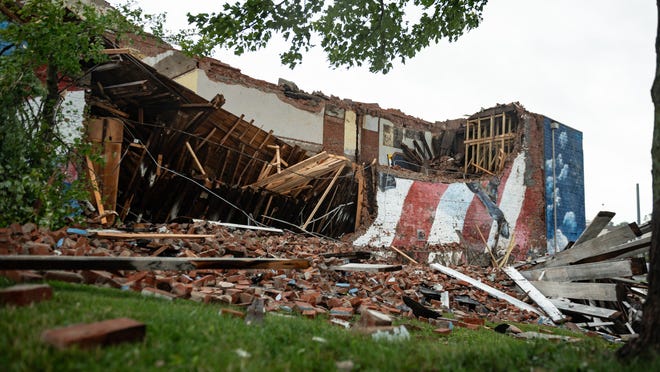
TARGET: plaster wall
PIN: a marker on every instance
(266, 109)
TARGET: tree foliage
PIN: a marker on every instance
(351, 32)
(44, 44)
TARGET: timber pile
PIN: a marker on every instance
(599, 282)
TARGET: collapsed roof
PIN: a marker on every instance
(182, 155)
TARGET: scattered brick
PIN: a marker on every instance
(102, 333)
(443, 331)
(345, 313)
(373, 318)
(25, 294)
(155, 292)
(64, 276)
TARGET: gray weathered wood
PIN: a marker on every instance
(589, 271)
(595, 227)
(619, 251)
(486, 288)
(366, 267)
(594, 324)
(144, 263)
(583, 291)
(535, 295)
(593, 246)
(600, 312)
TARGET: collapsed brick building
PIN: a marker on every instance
(392, 179)
(439, 183)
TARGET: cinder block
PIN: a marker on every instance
(25, 294)
(102, 333)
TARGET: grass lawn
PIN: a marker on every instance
(184, 335)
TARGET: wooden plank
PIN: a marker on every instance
(293, 170)
(145, 263)
(595, 227)
(95, 190)
(370, 268)
(208, 136)
(582, 291)
(126, 235)
(629, 249)
(322, 198)
(486, 288)
(573, 307)
(594, 324)
(588, 271)
(395, 249)
(358, 210)
(237, 226)
(195, 159)
(238, 121)
(594, 247)
(110, 109)
(536, 296)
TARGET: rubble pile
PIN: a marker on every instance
(339, 282)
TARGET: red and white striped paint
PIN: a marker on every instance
(417, 214)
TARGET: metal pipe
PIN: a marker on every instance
(553, 127)
(639, 219)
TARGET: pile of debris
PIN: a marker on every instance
(291, 273)
(599, 282)
(253, 263)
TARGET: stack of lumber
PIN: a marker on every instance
(299, 176)
(599, 281)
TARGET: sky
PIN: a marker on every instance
(588, 64)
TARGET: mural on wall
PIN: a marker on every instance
(569, 176)
(417, 213)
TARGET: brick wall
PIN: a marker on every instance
(368, 145)
(333, 130)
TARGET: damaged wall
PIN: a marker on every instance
(417, 213)
(424, 216)
(569, 174)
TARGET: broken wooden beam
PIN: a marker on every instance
(629, 249)
(24, 262)
(238, 226)
(573, 307)
(536, 296)
(595, 227)
(594, 246)
(582, 291)
(486, 288)
(370, 268)
(126, 235)
(588, 271)
(95, 190)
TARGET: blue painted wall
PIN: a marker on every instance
(570, 184)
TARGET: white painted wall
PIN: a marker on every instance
(266, 109)
(390, 206)
(350, 134)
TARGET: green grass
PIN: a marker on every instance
(184, 335)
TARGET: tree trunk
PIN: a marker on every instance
(49, 120)
(649, 337)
